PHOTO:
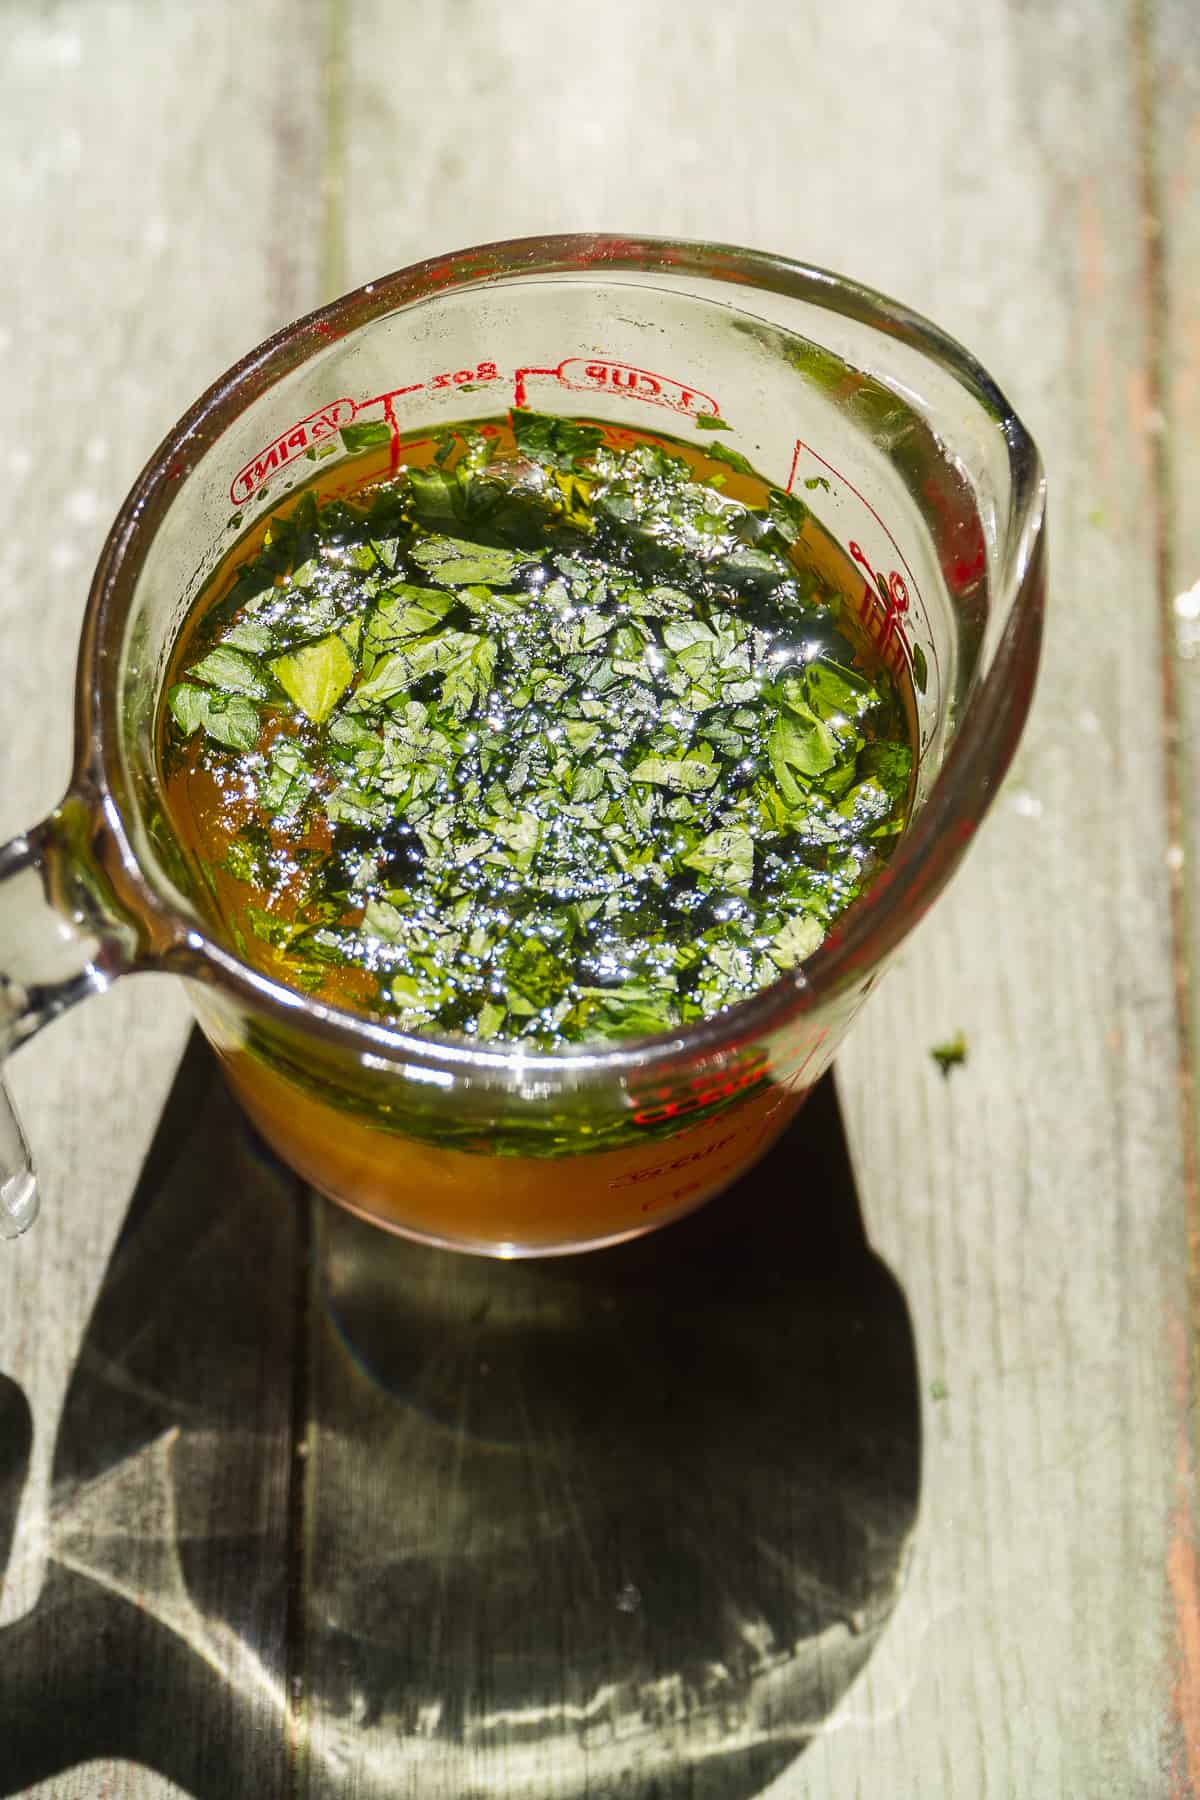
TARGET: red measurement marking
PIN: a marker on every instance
(600, 375)
(447, 378)
(789, 1065)
(389, 413)
(484, 371)
(293, 442)
(634, 1176)
(322, 425)
(387, 401)
(890, 592)
(672, 1099)
(885, 628)
(681, 1193)
(801, 445)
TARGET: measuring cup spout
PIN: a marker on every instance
(62, 937)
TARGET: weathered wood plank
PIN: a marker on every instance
(1171, 70)
(984, 167)
(161, 190)
(160, 1634)
(1033, 1205)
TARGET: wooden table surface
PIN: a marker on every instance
(228, 1477)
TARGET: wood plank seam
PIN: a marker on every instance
(1183, 1568)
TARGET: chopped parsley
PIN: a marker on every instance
(546, 739)
(950, 1055)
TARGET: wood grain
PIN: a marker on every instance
(180, 181)
(1172, 208)
(985, 168)
(160, 175)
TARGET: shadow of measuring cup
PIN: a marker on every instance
(620, 1524)
(637, 1517)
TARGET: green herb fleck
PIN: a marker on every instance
(558, 443)
(734, 458)
(950, 1055)
(356, 438)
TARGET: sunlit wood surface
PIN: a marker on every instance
(180, 179)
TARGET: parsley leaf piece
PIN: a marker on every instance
(188, 706)
(233, 721)
(348, 736)
(415, 996)
(455, 562)
(522, 838)
(401, 613)
(579, 636)
(691, 774)
(534, 978)
(231, 671)
(722, 453)
(726, 854)
(288, 780)
(950, 1055)
(635, 1009)
(349, 805)
(581, 734)
(366, 436)
(865, 806)
(229, 719)
(437, 497)
(274, 930)
(586, 783)
(890, 765)
(710, 422)
(251, 635)
(695, 646)
(557, 443)
(920, 669)
(832, 690)
(249, 856)
(469, 677)
(383, 920)
(489, 1019)
(800, 747)
(796, 941)
(463, 653)
(387, 549)
(316, 676)
(786, 514)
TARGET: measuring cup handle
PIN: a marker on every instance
(60, 940)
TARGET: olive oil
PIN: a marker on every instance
(548, 734)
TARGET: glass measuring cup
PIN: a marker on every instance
(916, 465)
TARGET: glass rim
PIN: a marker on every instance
(929, 849)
